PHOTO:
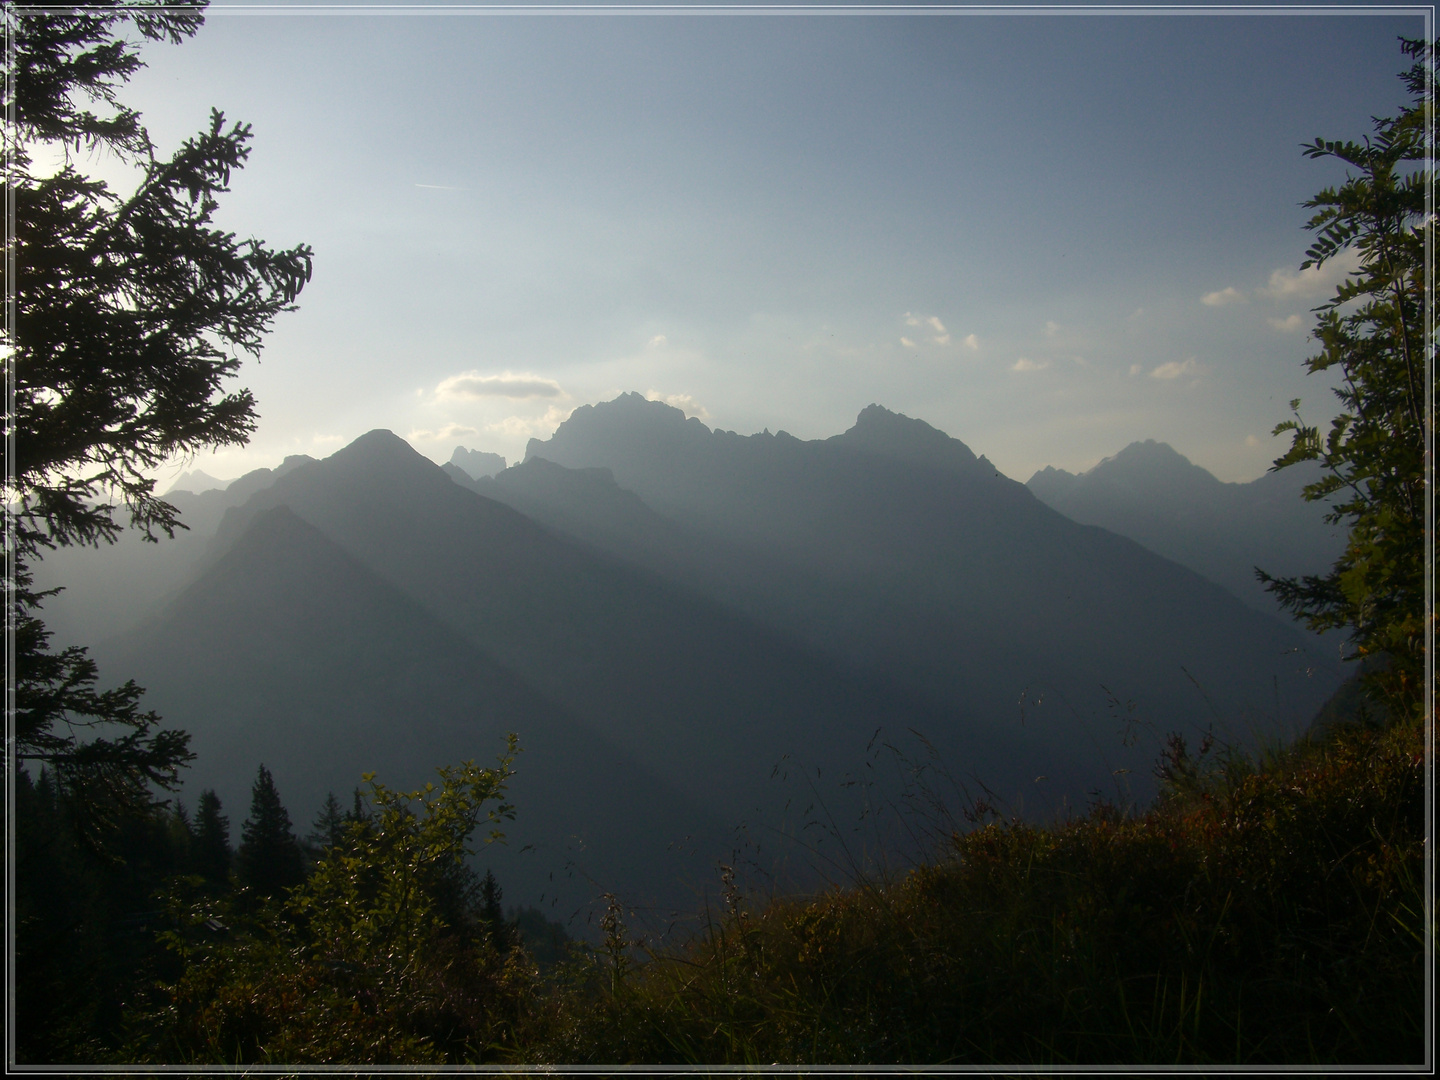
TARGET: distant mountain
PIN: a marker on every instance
(1222, 531)
(113, 588)
(476, 463)
(195, 482)
(288, 651)
(750, 642)
(904, 553)
(694, 695)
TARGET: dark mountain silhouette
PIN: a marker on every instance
(695, 631)
(911, 556)
(1222, 531)
(113, 588)
(291, 652)
(695, 695)
(476, 463)
(195, 481)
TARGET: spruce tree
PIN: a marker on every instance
(358, 812)
(269, 858)
(210, 852)
(329, 828)
(130, 312)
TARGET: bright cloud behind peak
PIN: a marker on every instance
(446, 433)
(684, 402)
(471, 385)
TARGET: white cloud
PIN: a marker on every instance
(520, 427)
(445, 434)
(1026, 364)
(1174, 369)
(941, 335)
(326, 440)
(1135, 369)
(684, 402)
(472, 384)
(1251, 440)
(1051, 328)
(1313, 280)
(1288, 325)
(1227, 295)
(970, 341)
(657, 341)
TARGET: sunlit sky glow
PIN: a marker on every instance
(1047, 234)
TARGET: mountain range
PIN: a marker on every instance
(1222, 531)
(711, 645)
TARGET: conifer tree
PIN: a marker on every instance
(269, 858)
(130, 312)
(330, 822)
(491, 914)
(357, 813)
(210, 852)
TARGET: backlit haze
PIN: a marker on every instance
(1047, 235)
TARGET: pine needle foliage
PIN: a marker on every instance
(132, 309)
(130, 312)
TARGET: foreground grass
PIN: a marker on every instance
(1255, 915)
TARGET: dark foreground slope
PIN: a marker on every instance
(898, 550)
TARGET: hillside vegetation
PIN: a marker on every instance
(1258, 913)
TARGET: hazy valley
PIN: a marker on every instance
(711, 645)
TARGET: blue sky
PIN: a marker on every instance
(1048, 235)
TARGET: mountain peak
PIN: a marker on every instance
(633, 419)
(1152, 462)
(380, 445)
(477, 463)
(896, 435)
(195, 482)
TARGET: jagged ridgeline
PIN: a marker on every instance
(694, 631)
(1222, 531)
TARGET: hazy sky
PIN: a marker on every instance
(1047, 234)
